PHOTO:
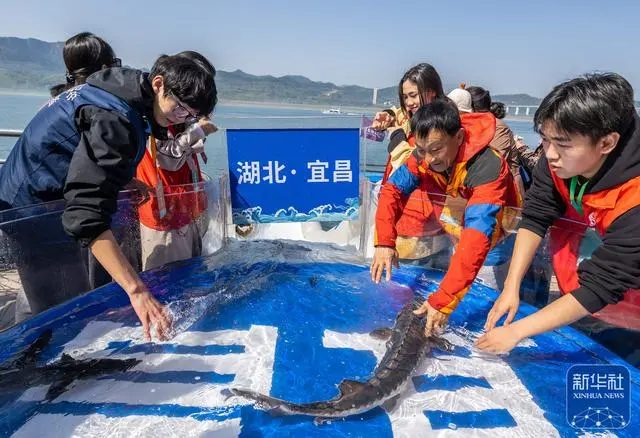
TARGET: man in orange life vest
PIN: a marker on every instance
(591, 174)
(452, 159)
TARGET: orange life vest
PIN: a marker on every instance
(600, 210)
(184, 196)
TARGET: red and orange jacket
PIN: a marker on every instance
(418, 217)
(611, 206)
(476, 192)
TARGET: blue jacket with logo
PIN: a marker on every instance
(83, 145)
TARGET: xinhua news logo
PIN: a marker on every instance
(598, 397)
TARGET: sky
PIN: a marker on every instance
(504, 46)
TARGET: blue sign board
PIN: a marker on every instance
(294, 175)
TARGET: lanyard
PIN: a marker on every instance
(577, 202)
(152, 142)
(162, 209)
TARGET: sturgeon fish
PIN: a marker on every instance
(406, 346)
(23, 372)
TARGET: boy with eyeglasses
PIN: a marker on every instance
(173, 222)
(84, 146)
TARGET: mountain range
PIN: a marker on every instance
(35, 65)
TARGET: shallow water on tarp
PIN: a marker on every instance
(290, 320)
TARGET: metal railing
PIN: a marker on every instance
(529, 110)
(368, 167)
(9, 133)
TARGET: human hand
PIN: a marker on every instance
(507, 302)
(207, 126)
(150, 312)
(383, 258)
(382, 121)
(436, 320)
(499, 340)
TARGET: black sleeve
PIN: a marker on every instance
(396, 137)
(483, 168)
(543, 203)
(614, 267)
(390, 112)
(101, 166)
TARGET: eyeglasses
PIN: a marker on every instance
(116, 62)
(179, 110)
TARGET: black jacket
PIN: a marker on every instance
(614, 267)
(104, 161)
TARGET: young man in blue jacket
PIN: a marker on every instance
(83, 147)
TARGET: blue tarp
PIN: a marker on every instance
(290, 320)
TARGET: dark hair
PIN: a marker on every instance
(84, 54)
(480, 99)
(497, 109)
(190, 77)
(593, 105)
(426, 78)
(441, 115)
(57, 89)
